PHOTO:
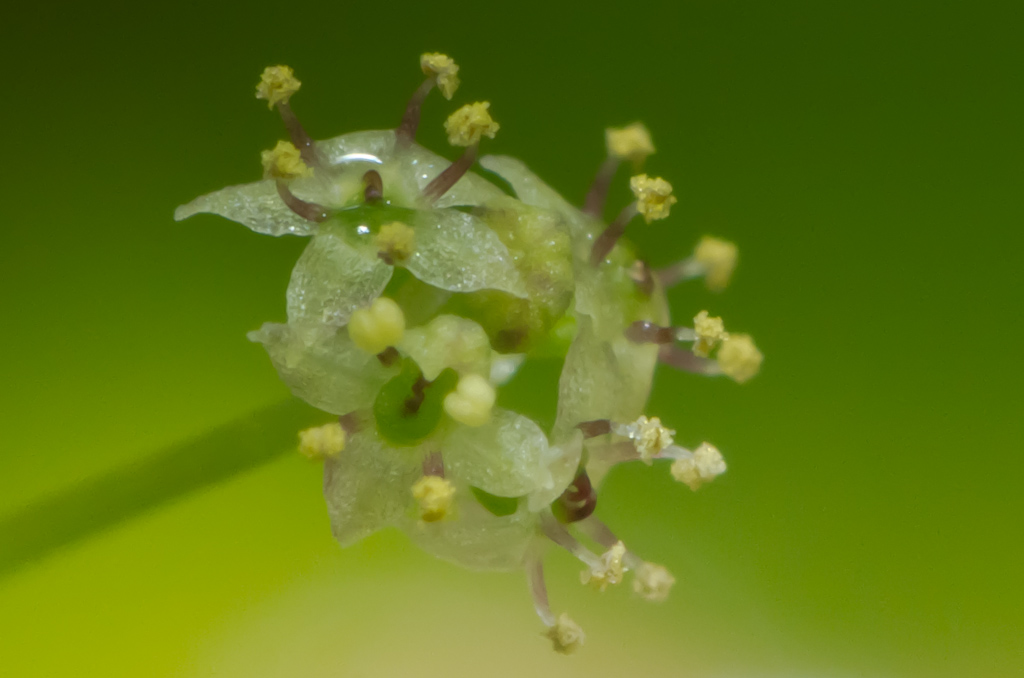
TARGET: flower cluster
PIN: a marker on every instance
(422, 291)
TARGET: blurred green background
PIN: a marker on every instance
(866, 156)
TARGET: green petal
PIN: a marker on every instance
(323, 367)
(475, 538)
(529, 188)
(457, 252)
(602, 379)
(507, 457)
(332, 279)
(368, 486)
(255, 205)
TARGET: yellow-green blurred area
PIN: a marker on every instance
(865, 156)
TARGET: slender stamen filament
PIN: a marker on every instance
(606, 241)
(685, 360)
(433, 465)
(350, 422)
(646, 332)
(598, 193)
(557, 533)
(406, 132)
(307, 210)
(298, 135)
(595, 428)
(448, 178)
(538, 589)
(686, 269)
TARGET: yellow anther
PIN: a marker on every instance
(632, 142)
(710, 331)
(395, 240)
(648, 435)
(738, 358)
(653, 581)
(566, 635)
(718, 257)
(380, 325)
(466, 125)
(284, 162)
(434, 496)
(471, 402)
(321, 442)
(703, 467)
(653, 197)
(446, 71)
(277, 85)
(609, 571)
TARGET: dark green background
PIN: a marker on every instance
(866, 156)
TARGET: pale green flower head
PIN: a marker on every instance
(424, 288)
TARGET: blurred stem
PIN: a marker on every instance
(120, 495)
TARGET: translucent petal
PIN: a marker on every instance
(475, 538)
(507, 456)
(449, 341)
(332, 279)
(529, 188)
(323, 367)
(602, 379)
(562, 462)
(367, 486)
(255, 205)
(456, 251)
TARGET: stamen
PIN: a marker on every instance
(709, 331)
(595, 428)
(648, 435)
(538, 589)
(566, 635)
(557, 533)
(374, 191)
(672, 275)
(654, 197)
(606, 241)
(433, 465)
(351, 422)
(713, 258)
(434, 496)
(701, 466)
(684, 360)
(322, 442)
(633, 143)
(598, 193)
(739, 358)
(310, 211)
(297, 133)
(646, 332)
(443, 182)
(599, 532)
(406, 132)
(395, 242)
(441, 71)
